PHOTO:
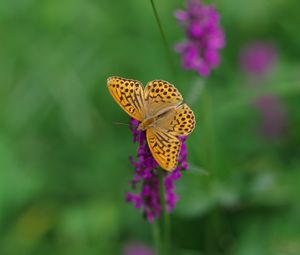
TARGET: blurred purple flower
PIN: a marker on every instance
(137, 249)
(204, 37)
(146, 175)
(258, 58)
(273, 115)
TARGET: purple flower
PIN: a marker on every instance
(147, 198)
(273, 115)
(137, 249)
(204, 37)
(258, 58)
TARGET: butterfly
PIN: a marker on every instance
(159, 109)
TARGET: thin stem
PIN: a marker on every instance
(211, 160)
(167, 233)
(166, 229)
(164, 38)
(209, 130)
(156, 237)
(195, 91)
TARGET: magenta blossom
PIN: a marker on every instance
(204, 37)
(272, 114)
(258, 58)
(146, 177)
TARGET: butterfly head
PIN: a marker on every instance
(146, 123)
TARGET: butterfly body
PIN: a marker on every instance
(149, 122)
(152, 121)
(159, 110)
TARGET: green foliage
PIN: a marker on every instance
(64, 165)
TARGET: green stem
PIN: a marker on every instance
(167, 234)
(166, 227)
(156, 237)
(164, 38)
(212, 160)
(209, 131)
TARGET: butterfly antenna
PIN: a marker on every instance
(120, 123)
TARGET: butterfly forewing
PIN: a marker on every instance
(159, 96)
(164, 147)
(129, 95)
(179, 121)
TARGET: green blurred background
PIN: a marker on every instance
(64, 165)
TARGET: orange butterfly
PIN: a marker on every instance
(159, 110)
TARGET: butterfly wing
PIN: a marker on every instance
(129, 95)
(164, 148)
(159, 96)
(179, 121)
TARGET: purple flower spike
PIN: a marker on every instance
(146, 176)
(258, 58)
(204, 37)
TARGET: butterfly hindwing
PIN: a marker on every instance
(160, 95)
(179, 121)
(129, 95)
(164, 148)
